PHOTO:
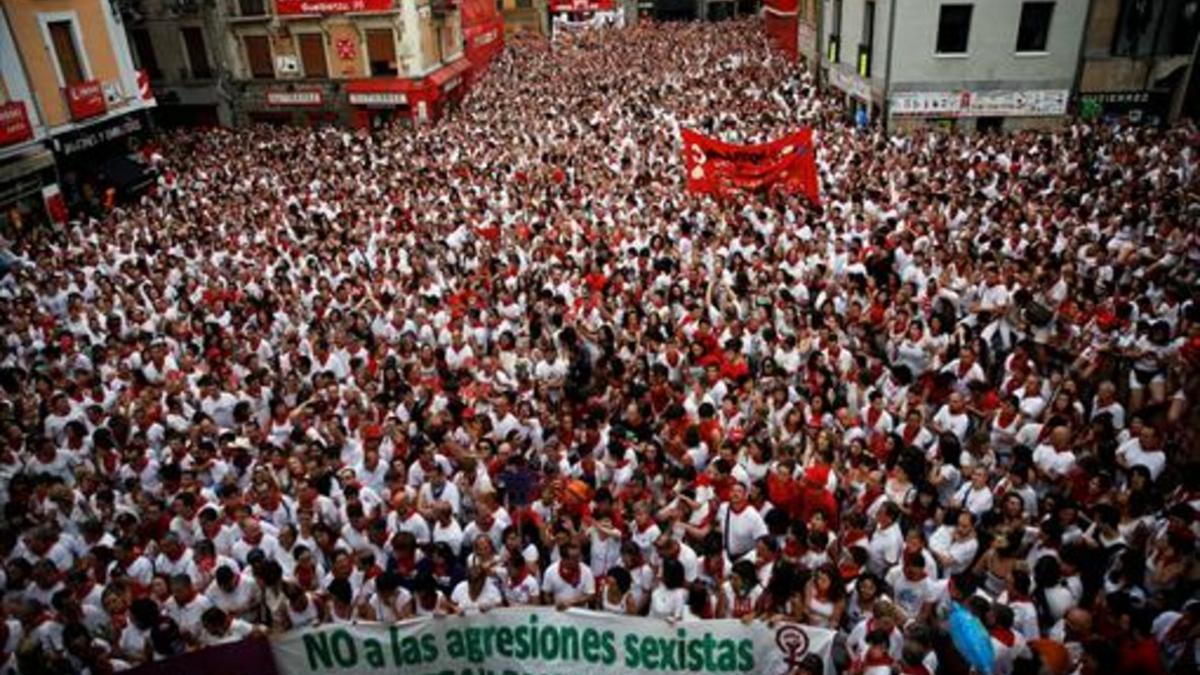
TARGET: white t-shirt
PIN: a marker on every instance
(561, 591)
(488, 598)
(741, 530)
(668, 603)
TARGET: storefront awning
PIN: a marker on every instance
(449, 77)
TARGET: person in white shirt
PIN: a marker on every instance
(952, 417)
(668, 601)
(954, 544)
(886, 542)
(477, 593)
(1055, 458)
(186, 607)
(740, 523)
(232, 593)
(221, 628)
(1142, 450)
(975, 496)
(568, 583)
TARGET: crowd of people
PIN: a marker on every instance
(326, 376)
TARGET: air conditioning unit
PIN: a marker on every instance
(288, 65)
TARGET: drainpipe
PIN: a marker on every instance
(887, 68)
(1189, 74)
(1081, 60)
(1162, 18)
(820, 55)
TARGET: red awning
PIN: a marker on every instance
(450, 76)
(381, 85)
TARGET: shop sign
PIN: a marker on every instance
(284, 7)
(78, 141)
(378, 99)
(14, 123)
(305, 98)
(1031, 103)
(86, 99)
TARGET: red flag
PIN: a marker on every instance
(716, 167)
(56, 206)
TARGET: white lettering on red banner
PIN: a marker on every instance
(378, 98)
(295, 98)
(14, 123)
(331, 6)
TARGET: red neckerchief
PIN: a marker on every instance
(737, 510)
(572, 578)
(963, 369)
(873, 415)
(910, 433)
(1003, 420)
(1004, 635)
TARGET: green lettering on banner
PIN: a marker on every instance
(727, 659)
(541, 642)
(374, 652)
(609, 644)
(521, 633)
(316, 648)
(504, 642)
(344, 649)
(591, 645)
(650, 653)
(631, 651)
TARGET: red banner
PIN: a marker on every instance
(14, 123)
(582, 5)
(781, 19)
(85, 100)
(787, 164)
(331, 6)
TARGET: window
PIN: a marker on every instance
(1034, 29)
(835, 33)
(381, 52)
(258, 56)
(954, 26)
(193, 42)
(868, 39)
(312, 55)
(252, 7)
(144, 48)
(62, 36)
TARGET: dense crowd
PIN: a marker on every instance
(325, 376)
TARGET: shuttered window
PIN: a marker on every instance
(258, 57)
(312, 55)
(62, 35)
(381, 51)
(144, 48)
(193, 41)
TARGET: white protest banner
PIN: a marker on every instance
(543, 641)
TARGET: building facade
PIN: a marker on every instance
(361, 62)
(73, 108)
(176, 42)
(1136, 58)
(954, 64)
